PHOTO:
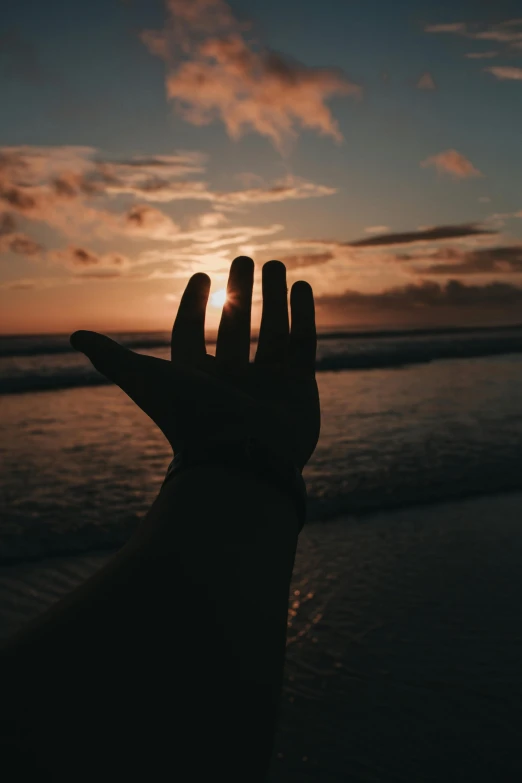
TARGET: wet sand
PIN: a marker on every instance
(404, 646)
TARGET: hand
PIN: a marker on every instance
(197, 398)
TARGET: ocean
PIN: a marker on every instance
(404, 636)
(408, 418)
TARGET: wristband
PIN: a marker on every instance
(250, 457)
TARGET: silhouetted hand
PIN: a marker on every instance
(197, 398)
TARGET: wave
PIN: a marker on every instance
(92, 538)
(59, 380)
(49, 345)
(401, 355)
(11, 347)
(373, 355)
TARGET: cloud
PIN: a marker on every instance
(32, 164)
(210, 238)
(25, 246)
(213, 72)
(36, 181)
(44, 182)
(307, 259)
(359, 251)
(481, 55)
(377, 229)
(155, 178)
(22, 284)
(432, 234)
(211, 220)
(208, 245)
(426, 82)
(14, 242)
(505, 72)
(80, 258)
(418, 299)
(144, 220)
(508, 32)
(102, 274)
(27, 283)
(72, 190)
(499, 218)
(286, 189)
(453, 27)
(7, 224)
(453, 163)
(149, 167)
(21, 245)
(491, 260)
(167, 191)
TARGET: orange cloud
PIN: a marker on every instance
(24, 246)
(213, 72)
(72, 190)
(14, 242)
(426, 82)
(508, 32)
(376, 257)
(290, 188)
(7, 224)
(423, 235)
(80, 258)
(453, 27)
(211, 219)
(481, 55)
(377, 229)
(40, 181)
(424, 296)
(453, 163)
(506, 259)
(156, 177)
(27, 283)
(20, 244)
(47, 183)
(505, 72)
(307, 259)
(144, 220)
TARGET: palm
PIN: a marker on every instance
(197, 398)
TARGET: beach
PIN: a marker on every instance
(405, 640)
(404, 646)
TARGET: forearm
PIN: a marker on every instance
(187, 623)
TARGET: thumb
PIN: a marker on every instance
(145, 379)
(110, 358)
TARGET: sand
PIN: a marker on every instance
(404, 650)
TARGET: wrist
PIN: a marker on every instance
(244, 458)
(212, 504)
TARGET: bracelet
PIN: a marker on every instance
(251, 457)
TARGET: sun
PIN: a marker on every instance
(218, 298)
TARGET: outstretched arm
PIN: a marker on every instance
(170, 659)
(168, 663)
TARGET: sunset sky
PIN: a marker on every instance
(374, 146)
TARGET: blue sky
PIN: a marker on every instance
(443, 151)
